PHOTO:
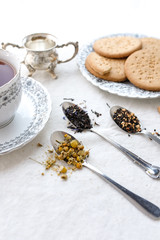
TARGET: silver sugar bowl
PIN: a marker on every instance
(41, 52)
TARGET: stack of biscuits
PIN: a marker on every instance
(120, 58)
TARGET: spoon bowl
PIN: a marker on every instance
(58, 136)
(150, 170)
(55, 137)
(116, 113)
(124, 127)
(77, 116)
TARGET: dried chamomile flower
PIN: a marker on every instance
(71, 151)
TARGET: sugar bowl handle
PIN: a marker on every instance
(75, 50)
(5, 45)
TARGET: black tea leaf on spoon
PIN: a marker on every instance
(78, 117)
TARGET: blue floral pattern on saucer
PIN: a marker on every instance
(38, 97)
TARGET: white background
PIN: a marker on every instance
(78, 20)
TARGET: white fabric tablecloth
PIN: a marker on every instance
(84, 207)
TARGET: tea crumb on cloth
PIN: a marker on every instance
(155, 132)
(71, 99)
(96, 113)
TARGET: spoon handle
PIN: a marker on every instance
(136, 159)
(150, 135)
(148, 206)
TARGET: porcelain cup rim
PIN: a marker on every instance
(8, 56)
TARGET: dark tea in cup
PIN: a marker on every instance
(10, 87)
(7, 72)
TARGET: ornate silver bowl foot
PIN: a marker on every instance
(30, 69)
(51, 69)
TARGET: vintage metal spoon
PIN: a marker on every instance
(151, 170)
(148, 206)
(142, 130)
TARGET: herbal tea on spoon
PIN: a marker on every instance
(80, 119)
(129, 122)
(59, 137)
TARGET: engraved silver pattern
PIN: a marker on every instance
(125, 89)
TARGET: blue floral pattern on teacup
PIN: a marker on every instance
(10, 94)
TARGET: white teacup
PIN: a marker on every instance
(10, 90)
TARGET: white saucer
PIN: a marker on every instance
(31, 117)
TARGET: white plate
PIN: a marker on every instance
(125, 89)
(29, 120)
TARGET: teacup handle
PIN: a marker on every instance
(5, 45)
(75, 50)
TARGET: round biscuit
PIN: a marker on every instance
(116, 74)
(143, 69)
(150, 43)
(100, 64)
(117, 47)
